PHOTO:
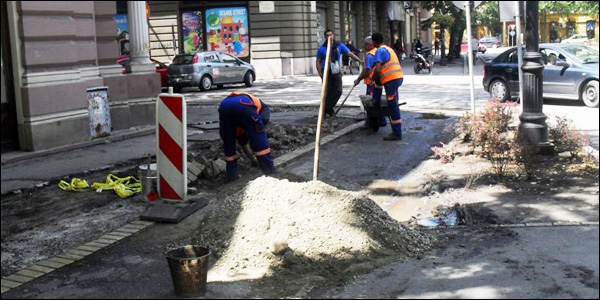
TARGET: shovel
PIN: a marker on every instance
(338, 110)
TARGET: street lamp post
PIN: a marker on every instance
(533, 128)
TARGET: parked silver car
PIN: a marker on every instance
(577, 39)
(205, 69)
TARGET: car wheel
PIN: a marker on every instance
(177, 89)
(249, 79)
(499, 90)
(417, 68)
(589, 94)
(206, 83)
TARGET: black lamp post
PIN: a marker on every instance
(533, 128)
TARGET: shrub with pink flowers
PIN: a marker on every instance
(445, 153)
(566, 138)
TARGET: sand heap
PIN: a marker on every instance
(276, 224)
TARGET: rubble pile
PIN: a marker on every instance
(276, 224)
(206, 157)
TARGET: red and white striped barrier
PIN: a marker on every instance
(171, 152)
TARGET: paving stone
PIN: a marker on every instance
(29, 273)
(565, 223)
(61, 260)
(19, 278)
(121, 234)
(51, 264)
(127, 230)
(39, 268)
(88, 248)
(9, 284)
(589, 223)
(112, 237)
(538, 224)
(195, 168)
(134, 226)
(70, 256)
(142, 223)
(105, 241)
(191, 176)
(94, 244)
(81, 253)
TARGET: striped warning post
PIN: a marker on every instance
(171, 157)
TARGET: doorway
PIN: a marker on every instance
(8, 118)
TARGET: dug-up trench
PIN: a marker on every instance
(42, 222)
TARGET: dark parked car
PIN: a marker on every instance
(205, 69)
(570, 72)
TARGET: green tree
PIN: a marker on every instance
(448, 17)
(488, 13)
(568, 7)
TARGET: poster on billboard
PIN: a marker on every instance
(227, 30)
(192, 31)
(122, 34)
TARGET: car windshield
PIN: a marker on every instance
(183, 59)
(583, 54)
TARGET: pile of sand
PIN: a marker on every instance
(275, 224)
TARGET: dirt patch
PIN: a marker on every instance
(432, 116)
(45, 221)
(559, 183)
(278, 227)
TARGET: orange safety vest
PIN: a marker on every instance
(372, 53)
(255, 100)
(391, 69)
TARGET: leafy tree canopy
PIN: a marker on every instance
(567, 7)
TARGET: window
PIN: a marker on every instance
(228, 59)
(183, 59)
(513, 57)
(211, 58)
(550, 56)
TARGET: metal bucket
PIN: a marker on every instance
(148, 179)
(189, 266)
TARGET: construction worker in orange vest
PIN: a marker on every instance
(388, 72)
(367, 74)
(243, 117)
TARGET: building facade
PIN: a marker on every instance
(59, 59)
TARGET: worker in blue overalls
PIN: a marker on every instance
(372, 87)
(388, 72)
(243, 117)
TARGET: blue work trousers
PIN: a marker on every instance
(239, 111)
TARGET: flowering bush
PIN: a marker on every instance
(567, 138)
(524, 155)
(464, 127)
(444, 153)
(491, 123)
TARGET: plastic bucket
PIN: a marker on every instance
(148, 179)
(189, 266)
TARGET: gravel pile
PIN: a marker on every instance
(276, 224)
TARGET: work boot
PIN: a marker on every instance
(392, 137)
